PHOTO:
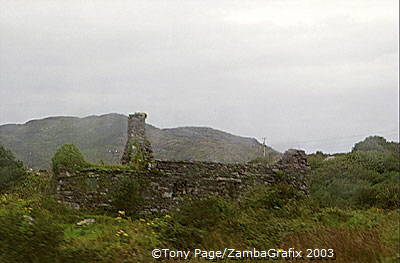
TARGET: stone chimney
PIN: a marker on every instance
(138, 150)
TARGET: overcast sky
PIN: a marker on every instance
(310, 74)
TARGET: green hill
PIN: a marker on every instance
(102, 138)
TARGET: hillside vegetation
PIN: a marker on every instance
(377, 143)
(103, 138)
(352, 208)
(11, 170)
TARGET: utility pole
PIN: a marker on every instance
(264, 146)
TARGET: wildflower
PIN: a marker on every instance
(121, 233)
(121, 212)
(29, 209)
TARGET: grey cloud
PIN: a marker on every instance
(295, 72)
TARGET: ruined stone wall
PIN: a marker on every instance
(169, 181)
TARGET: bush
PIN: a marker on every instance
(274, 198)
(385, 194)
(377, 143)
(267, 213)
(206, 222)
(68, 158)
(11, 170)
(374, 160)
(128, 195)
(28, 232)
(359, 179)
(316, 160)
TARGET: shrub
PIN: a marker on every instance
(359, 179)
(68, 158)
(385, 194)
(267, 213)
(205, 213)
(376, 143)
(316, 160)
(272, 198)
(206, 222)
(28, 232)
(11, 170)
(128, 195)
(374, 160)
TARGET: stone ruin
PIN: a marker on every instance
(138, 150)
(167, 182)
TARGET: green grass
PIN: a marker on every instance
(272, 217)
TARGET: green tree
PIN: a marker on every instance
(68, 158)
(11, 170)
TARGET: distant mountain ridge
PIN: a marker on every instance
(102, 138)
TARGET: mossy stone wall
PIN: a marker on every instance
(167, 182)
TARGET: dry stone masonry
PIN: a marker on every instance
(167, 182)
(138, 150)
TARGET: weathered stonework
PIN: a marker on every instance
(138, 150)
(167, 182)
